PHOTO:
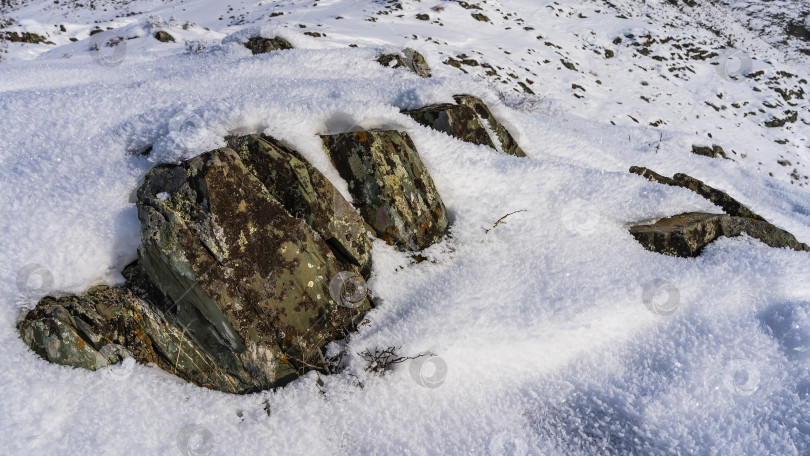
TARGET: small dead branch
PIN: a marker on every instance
(383, 360)
(501, 220)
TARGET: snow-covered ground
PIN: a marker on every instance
(553, 333)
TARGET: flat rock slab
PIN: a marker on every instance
(729, 205)
(686, 235)
(390, 185)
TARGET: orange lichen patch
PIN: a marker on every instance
(81, 343)
(396, 228)
(362, 136)
(284, 360)
(438, 212)
(424, 226)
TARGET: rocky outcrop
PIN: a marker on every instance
(686, 235)
(410, 59)
(730, 205)
(260, 45)
(464, 121)
(390, 185)
(235, 287)
(508, 143)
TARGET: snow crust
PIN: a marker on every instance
(554, 333)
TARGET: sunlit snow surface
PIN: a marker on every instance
(547, 332)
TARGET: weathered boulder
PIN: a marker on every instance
(410, 59)
(508, 143)
(260, 45)
(686, 235)
(390, 185)
(246, 276)
(458, 121)
(307, 194)
(730, 205)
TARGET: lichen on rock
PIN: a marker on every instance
(391, 186)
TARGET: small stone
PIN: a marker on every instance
(164, 37)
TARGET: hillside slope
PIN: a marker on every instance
(545, 343)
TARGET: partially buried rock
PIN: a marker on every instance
(260, 45)
(410, 59)
(711, 152)
(106, 325)
(458, 121)
(730, 205)
(164, 37)
(231, 290)
(246, 276)
(464, 121)
(391, 186)
(686, 235)
(508, 143)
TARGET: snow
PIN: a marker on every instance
(552, 333)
